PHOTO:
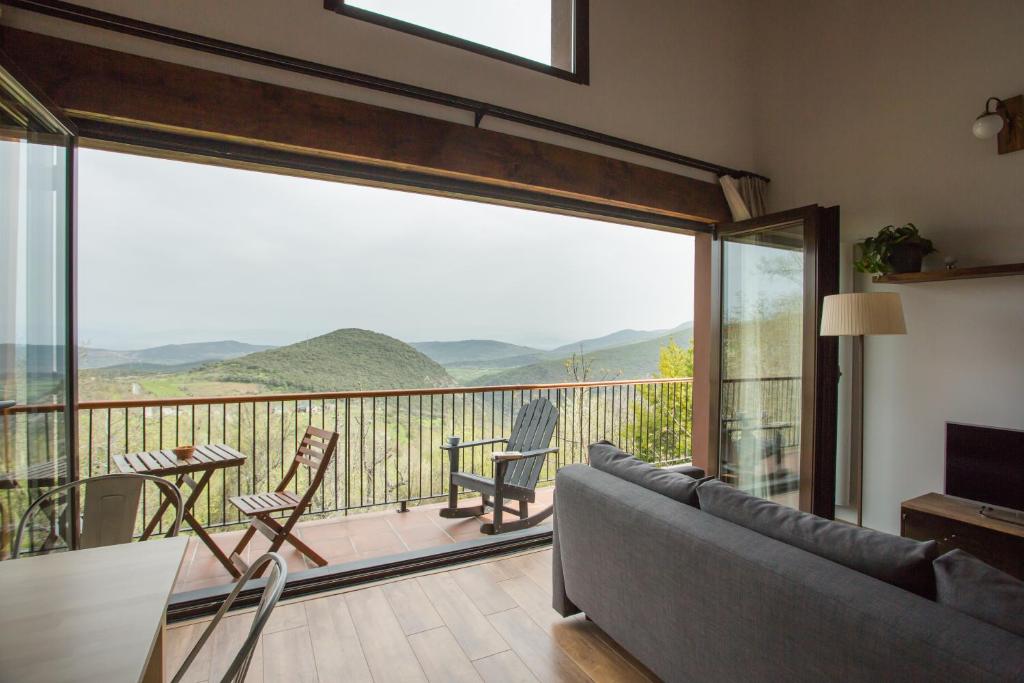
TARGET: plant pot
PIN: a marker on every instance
(906, 257)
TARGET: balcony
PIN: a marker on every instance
(388, 458)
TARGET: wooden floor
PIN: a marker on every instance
(485, 622)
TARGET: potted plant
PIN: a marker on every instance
(894, 250)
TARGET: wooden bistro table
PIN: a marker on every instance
(93, 615)
(164, 463)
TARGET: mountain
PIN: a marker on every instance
(620, 338)
(170, 354)
(629, 361)
(348, 359)
(474, 352)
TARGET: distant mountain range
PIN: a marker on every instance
(354, 359)
(620, 338)
(628, 361)
(470, 352)
(170, 354)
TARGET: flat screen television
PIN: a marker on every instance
(985, 464)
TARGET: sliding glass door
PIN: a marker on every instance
(776, 378)
(36, 341)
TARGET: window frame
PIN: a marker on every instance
(579, 50)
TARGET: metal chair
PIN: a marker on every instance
(108, 512)
(271, 594)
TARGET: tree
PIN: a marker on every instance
(660, 428)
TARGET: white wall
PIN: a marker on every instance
(661, 72)
(868, 104)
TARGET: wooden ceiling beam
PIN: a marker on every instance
(98, 84)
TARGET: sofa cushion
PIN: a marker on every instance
(607, 457)
(968, 585)
(901, 562)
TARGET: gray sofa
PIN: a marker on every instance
(697, 598)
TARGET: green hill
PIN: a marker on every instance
(474, 352)
(631, 361)
(347, 359)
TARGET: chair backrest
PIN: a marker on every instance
(315, 452)
(239, 666)
(534, 426)
(109, 511)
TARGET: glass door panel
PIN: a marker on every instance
(762, 353)
(776, 378)
(35, 386)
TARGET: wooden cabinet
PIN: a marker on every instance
(957, 523)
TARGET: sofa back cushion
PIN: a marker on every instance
(968, 585)
(901, 562)
(607, 457)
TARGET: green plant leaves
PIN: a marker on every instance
(876, 251)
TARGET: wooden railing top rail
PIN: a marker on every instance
(332, 395)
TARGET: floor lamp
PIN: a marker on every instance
(858, 315)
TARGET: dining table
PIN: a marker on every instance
(88, 615)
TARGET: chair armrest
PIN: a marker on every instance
(470, 444)
(506, 456)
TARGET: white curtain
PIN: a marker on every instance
(746, 196)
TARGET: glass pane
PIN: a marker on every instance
(762, 337)
(521, 28)
(33, 308)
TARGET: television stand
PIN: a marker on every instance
(1002, 514)
(959, 523)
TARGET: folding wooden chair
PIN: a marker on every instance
(315, 452)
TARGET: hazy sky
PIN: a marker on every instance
(175, 252)
(522, 27)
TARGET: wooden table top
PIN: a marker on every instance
(164, 462)
(88, 615)
(961, 510)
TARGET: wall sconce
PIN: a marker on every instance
(1005, 119)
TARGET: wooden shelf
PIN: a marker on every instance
(952, 274)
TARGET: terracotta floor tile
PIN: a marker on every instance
(428, 542)
(377, 541)
(345, 538)
(335, 550)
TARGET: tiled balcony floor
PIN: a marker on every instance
(344, 539)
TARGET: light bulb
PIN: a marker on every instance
(987, 126)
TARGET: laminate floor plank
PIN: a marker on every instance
(337, 651)
(483, 589)
(504, 667)
(227, 641)
(442, 659)
(545, 659)
(470, 628)
(485, 623)
(288, 656)
(387, 651)
(580, 639)
(411, 605)
(177, 643)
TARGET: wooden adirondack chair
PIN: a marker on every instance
(315, 452)
(516, 470)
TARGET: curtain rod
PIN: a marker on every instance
(114, 22)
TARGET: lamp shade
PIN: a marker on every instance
(846, 315)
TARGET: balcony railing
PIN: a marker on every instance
(388, 454)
